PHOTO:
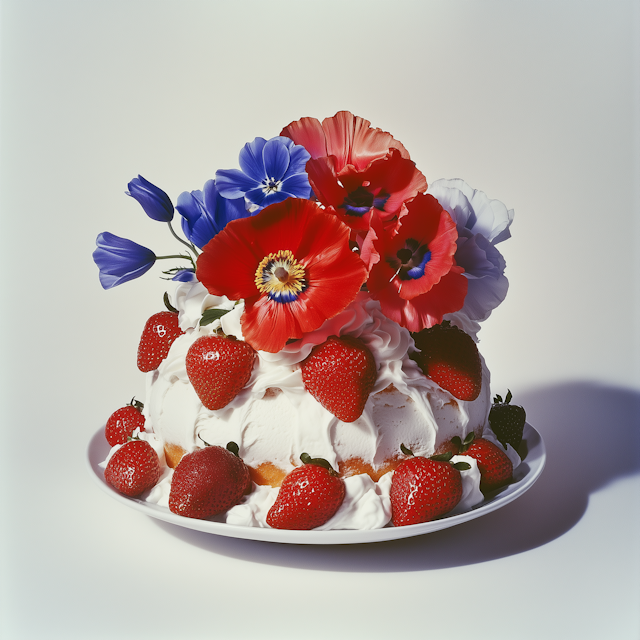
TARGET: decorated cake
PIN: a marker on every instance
(316, 363)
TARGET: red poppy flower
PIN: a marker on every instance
(291, 264)
(355, 169)
(350, 139)
(415, 279)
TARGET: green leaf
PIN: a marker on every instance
(212, 314)
(507, 400)
(233, 447)
(462, 466)
(442, 457)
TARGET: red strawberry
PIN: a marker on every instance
(123, 422)
(133, 468)
(340, 374)
(450, 358)
(494, 465)
(218, 368)
(207, 482)
(309, 496)
(423, 489)
(158, 335)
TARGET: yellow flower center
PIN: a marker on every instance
(281, 277)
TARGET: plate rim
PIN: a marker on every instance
(535, 460)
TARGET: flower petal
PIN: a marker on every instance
(275, 156)
(308, 132)
(232, 183)
(297, 185)
(251, 161)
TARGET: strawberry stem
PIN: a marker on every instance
(320, 462)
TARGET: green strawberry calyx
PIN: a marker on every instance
(507, 400)
(233, 448)
(440, 457)
(320, 462)
(136, 404)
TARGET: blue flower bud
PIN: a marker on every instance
(155, 202)
(185, 275)
(120, 260)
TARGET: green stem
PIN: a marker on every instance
(183, 257)
(189, 245)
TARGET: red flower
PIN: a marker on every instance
(415, 279)
(350, 139)
(355, 169)
(291, 264)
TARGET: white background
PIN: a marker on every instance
(535, 103)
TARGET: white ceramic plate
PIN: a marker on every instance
(524, 477)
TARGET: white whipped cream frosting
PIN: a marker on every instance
(277, 426)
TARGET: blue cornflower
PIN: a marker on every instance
(120, 260)
(271, 171)
(205, 213)
(155, 202)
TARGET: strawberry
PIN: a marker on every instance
(494, 465)
(207, 482)
(218, 368)
(133, 468)
(423, 489)
(507, 420)
(340, 374)
(159, 333)
(123, 422)
(450, 357)
(308, 497)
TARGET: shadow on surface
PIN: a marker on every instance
(569, 417)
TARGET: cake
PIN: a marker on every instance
(327, 241)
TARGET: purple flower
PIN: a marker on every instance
(481, 224)
(271, 171)
(120, 260)
(205, 213)
(155, 202)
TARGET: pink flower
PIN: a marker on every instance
(415, 278)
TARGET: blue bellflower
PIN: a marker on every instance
(205, 213)
(270, 171)
(120, 260)
(155, 202)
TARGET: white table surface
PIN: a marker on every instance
(535, 103)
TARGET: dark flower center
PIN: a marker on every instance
(410, 261)
(360, 201)
(271, 185)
